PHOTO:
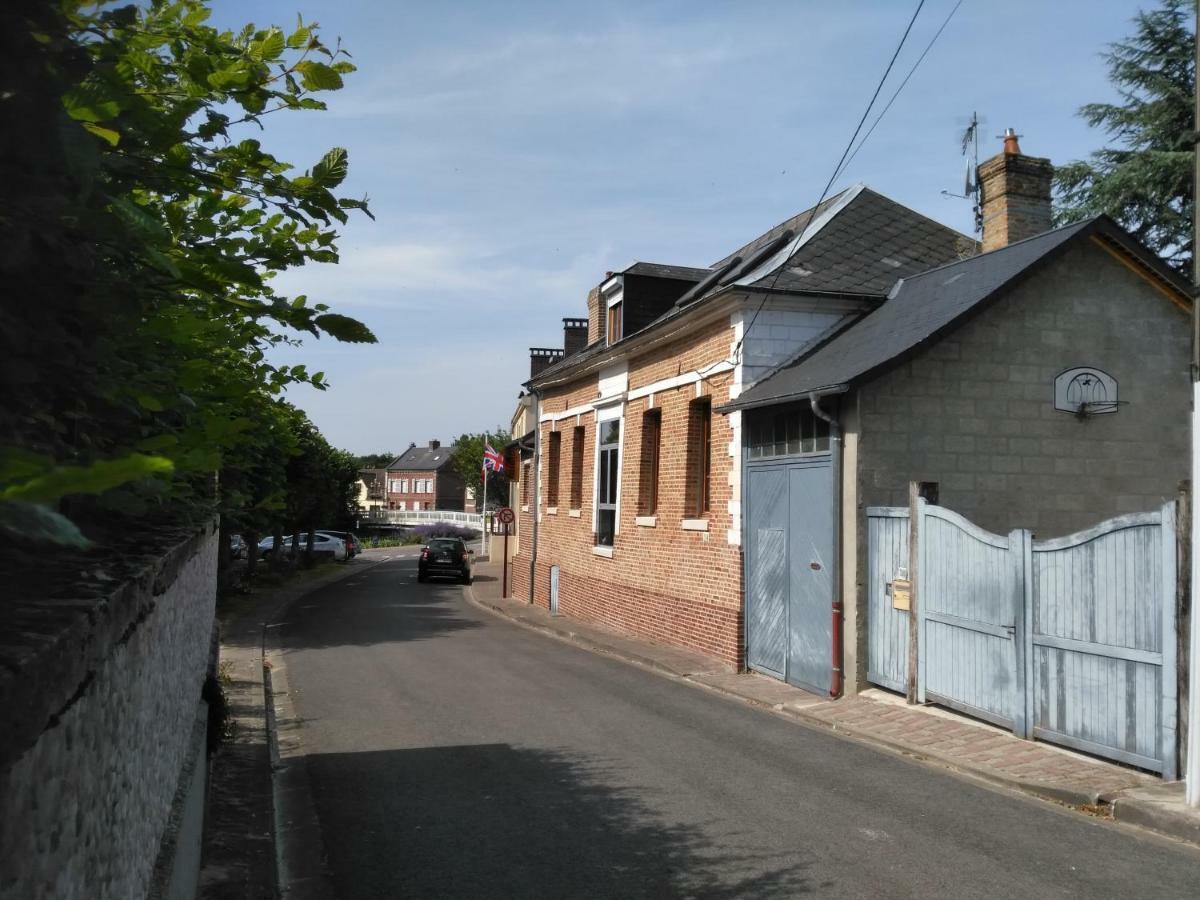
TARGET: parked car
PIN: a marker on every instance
(445, 557)
(237, 546)
(353, 544)
(323, 545)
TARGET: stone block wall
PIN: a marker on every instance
(108, 696)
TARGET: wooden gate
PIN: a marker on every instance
(1070, 640)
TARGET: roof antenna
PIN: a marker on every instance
(970, 150)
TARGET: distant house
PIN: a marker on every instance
(705, 464)
(372, 489)
(422, 478)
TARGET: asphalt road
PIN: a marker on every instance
(454, 754)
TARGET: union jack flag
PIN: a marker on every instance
(492, 460)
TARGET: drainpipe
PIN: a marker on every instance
(537, 462)
(835, 446)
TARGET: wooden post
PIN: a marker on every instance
(917, 491)
(914, 546)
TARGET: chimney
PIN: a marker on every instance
(575, 335)
(433, 445)
(597, 320)
(541, 358)
(1016, 195)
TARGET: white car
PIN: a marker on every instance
(323, 545)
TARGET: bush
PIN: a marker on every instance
(443, 529)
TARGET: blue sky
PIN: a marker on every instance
(514, 152)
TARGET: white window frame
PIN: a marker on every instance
(607, 414)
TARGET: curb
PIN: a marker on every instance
(1061, 795)
(1158, 817)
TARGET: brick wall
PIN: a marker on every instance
(662, 582)
(975, 412)
(1016, 198)
(411, 497)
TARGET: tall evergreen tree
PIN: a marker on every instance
(1144, 178)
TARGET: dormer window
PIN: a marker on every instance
(613, 292)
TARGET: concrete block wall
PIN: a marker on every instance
(975, 412)
(114, 693)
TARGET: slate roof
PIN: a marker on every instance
(662, 270)
(922, 308)
(861, 244)
(421, 459)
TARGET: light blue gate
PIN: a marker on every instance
(791, 570)
(1070, 640)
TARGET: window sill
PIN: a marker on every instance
(552, 510)
(573, 513)
(606, 552)
(694, 524)
(646, 521)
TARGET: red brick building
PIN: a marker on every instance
(421, 478)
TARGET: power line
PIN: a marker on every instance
(837, 170)
(915, 65)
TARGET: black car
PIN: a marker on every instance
(447, 557)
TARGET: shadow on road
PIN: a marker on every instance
(492, 820)
(339, 616)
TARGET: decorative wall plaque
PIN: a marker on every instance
(1085, 391)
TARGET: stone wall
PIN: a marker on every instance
(103, 697)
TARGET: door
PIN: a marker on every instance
(790, 571)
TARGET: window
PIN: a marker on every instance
(577, 445)
(525, 484)
(401, 505)
(609, 449)
(394, 486)
(403, 489)
(699, 458)
(614, 322)
(785, 431)
(552, 468)
(651, 442)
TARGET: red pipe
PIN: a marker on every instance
(835, 682)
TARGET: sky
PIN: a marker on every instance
(514, 152)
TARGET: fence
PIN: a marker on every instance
(1070, 640)
(422, 517)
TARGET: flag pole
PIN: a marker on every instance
(487, 543)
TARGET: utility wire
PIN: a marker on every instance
(837, 170)
(915, 65)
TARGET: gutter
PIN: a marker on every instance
(535, 474)
(818, 393)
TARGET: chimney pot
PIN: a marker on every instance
(1010, 141)
(433, 445)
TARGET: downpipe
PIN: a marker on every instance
(836, 679)
(535, 474)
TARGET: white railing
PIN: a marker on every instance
(422, 517)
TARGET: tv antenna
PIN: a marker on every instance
(970, 152)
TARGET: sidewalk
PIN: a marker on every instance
(882, 719)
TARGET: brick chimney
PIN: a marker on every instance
(1016, 195)
(575, 335)
(541, 358)
(597, 320)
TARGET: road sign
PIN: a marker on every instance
(506, 515)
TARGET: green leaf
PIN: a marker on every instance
(16, 463)
(150, 402)
(84, 104)
(271, 46)
(316, 76)
(332, 169)
(138, 219)
(93, 479)
(344, 328)
(106, 134)
(300, 36)
(40, 524)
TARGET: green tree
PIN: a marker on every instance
(466, 456)
(142, 224)
(374, 460)
(1144, 179)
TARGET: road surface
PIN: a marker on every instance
(454, 754)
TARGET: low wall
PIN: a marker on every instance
(99, 726)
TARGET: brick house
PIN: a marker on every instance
(422, 478)
(639, 481)
(724, 419)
